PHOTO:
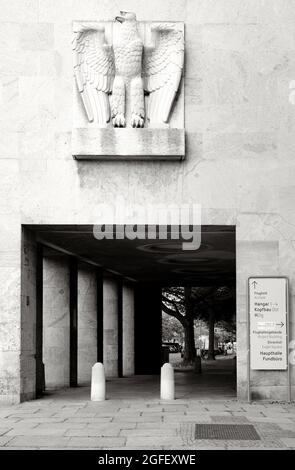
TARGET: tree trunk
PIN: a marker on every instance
(189, 353)
(211, 323)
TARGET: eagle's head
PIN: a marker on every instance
(126, 16)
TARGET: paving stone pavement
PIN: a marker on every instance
(68, 419)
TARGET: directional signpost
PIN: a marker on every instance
(268, 323)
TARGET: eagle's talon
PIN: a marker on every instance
(137, 120)
(119, 121)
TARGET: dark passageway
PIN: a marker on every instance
(102, 302)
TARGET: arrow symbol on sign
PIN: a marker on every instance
(280, 324)
(254, 283)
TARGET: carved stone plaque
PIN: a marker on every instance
(128, 89)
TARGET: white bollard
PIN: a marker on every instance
(98, 383)
(167, 382)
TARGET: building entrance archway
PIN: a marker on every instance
(101, 299)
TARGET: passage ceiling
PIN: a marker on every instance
(160, 261)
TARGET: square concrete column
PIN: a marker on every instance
(18, 318)
(255, 258)
(148, 328)
(56, 322)
(128, 329)
(99, 314)
(110, 327)
(73, 322)
(27, 356)
(40, 377)
(87, 323)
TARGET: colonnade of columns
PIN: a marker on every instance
(88, 317)
(71, 315)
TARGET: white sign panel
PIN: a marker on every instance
(268, 323)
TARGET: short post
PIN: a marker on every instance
(98, 382)
(198, 365)
(167, 382)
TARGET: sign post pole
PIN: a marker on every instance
(289, 397)
(248, 348)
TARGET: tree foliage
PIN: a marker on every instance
(171, 329)
(202, 299)
(209, 304)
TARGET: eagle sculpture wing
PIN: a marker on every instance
(162, 70)
(94, 71)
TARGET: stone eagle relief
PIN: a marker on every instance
(128, 84)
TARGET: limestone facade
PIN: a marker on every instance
(239, 163)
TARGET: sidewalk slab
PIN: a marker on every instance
(289, 442)
(97, 442)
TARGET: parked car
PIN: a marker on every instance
(204, 353)
(173, 347)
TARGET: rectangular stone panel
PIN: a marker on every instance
(128, 144)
